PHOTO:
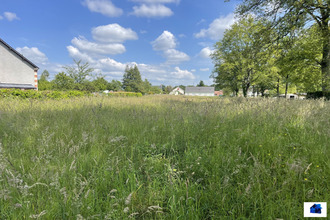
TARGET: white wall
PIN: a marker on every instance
(13, 69)
(200, 94)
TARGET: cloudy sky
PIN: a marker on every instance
(169, 40)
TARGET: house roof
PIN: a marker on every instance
(18, 54)
(16, 86)
(199, 89)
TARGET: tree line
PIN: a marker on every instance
(80, 77)
(275, 46)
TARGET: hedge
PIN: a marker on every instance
(33, 94)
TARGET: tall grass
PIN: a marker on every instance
(162, 157)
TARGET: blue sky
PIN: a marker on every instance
(169, 40)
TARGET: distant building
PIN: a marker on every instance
(218, 93)
(199, 91)
(177, 91)
(16, 71)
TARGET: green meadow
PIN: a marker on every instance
(162, 157)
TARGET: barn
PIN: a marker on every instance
(16, 71)
(199, 91)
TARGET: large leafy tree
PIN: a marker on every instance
(286, 15)
(63, 82)
(132, 81)
(79, 72)
(241, 55)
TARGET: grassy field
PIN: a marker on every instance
(162, 157)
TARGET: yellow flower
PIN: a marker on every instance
(174, 170)
(306, 179)
(294, 148)
(268, 154)
(279, 155)
(317, 166)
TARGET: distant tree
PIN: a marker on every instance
(114, 85)
(168, 89)
(100, 83)
(182, 87)
(43, 83)
(201, 84)
(79, 72)
(63, 82)
(44, 75)
(132, 81)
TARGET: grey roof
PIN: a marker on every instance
(16, 86)
(199, 90)
(18, 54)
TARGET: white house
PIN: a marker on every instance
(16, 71)
(177, 91)
(199, 91)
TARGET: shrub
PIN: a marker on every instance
(33, 94)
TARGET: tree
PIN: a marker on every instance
(289, 14)
(63, 82)
(79, 72)
(168, 89)
(241, 56)
(43, 83)
(201, 84)
(114, 85)
(132, 81)
(100, 83)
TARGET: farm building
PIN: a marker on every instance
(200, 91)
(177, 91)
(16, 71)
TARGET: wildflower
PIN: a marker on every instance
(280, 155)
(294, 148)
(317, 166)
(126, 210)
(174, 170)
(268, 154)
(306, 179)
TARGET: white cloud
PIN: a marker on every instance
(1, 17)
(153, 10)
(217, 27)
(113, 33)
(167, 43)
(157, 1)
(10, 16)
(193, 70)
(174, 56)
(205, 52)
(105, 7)
(164, 42)
(78, 55)
(204, 69)
(95, 48)
(33, 54)
(182, 74)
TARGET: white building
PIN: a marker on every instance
(16, 71)
(199, 91)
(177, 91)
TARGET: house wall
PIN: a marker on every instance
(13, 69)
(199, 94)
